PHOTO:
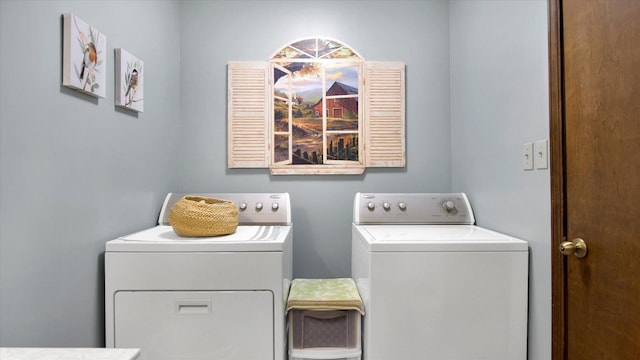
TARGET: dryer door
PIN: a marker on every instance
(194, 325)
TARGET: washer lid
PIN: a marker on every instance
(162, 238)
(436, 238)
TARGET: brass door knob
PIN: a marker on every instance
(576, 247)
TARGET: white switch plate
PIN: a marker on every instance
(527, 156)
(541, 156)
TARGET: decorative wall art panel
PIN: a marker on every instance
(316, 107)
(129, 81)
(83, 60)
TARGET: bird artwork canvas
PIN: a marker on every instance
(83, 60)
(129, 81)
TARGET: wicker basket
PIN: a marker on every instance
(194, 216)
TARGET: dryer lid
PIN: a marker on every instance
(162, 238)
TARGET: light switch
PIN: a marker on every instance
(527, 154)
(541, 156)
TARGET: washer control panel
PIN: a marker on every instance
(253, 208)
(412, 208)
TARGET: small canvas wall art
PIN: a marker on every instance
(129, 81)
(83, 61)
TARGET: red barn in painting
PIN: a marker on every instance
(339, 108)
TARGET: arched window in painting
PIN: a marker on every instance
(317, 107)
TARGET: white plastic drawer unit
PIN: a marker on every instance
(195, 324)
(324, 329)
(324, 334)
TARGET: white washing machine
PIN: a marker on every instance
(434, 285)
(203, 298)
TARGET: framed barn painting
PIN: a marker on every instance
(316, 107)
(83, 59)
(129, 81)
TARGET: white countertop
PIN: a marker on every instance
(32, 353)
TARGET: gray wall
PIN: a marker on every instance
(499, 100)
(415, 32)
(76, 172)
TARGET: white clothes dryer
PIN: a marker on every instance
(203, 298)
(434, 285)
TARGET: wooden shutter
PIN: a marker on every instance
(384, 114)
(247, 107)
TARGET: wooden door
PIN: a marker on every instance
(595, 135)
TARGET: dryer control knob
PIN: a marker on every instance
(402, 205)
(449, 206)
(371, 206)
(274, 206)
(259, 206)
(386, 206)
(243, 206)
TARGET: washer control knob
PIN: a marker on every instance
(371, 206)
(449, 206)
(402, 205)
(243, 206)
(386, 206)
(258, 206)
(274, 206)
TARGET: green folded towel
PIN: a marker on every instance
(324, 294)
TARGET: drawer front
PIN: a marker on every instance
(195, 325)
